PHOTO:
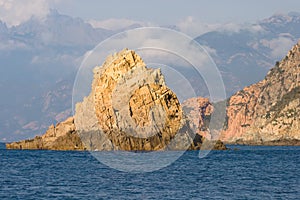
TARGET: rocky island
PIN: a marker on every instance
(129, 108)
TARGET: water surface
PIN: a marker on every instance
(248, 173)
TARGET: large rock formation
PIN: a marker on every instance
(268, 112)
(129, 108)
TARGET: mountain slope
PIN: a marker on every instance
(268, 110)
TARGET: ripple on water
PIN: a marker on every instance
(248, 173)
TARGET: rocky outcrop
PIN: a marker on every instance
(268, 112)
(63, 136)
(129, 108)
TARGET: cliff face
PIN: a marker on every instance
(267, 111)
(129, 108)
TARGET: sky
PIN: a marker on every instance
(171, 11)
(162, 12)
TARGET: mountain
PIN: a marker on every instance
(59, 30)
(244, 56)
(39, 61)
(268, 112)
(278, 24)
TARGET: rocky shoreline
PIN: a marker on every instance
(284, 142)
(64, 137)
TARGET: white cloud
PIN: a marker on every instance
(194, 27)
(255, 28)
(189, 25)
(14, 12)
(211, 51)
(154, 45)
(279, 46)
(115, 24)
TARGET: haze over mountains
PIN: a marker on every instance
(39, 59)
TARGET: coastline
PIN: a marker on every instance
(218, 145)
(283, 142)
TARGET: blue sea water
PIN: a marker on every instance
(248, 173)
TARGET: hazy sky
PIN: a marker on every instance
(162, 12)
(171, 11)
(191, 16)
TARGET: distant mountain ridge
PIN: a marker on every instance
(244, 56)
(39, 60)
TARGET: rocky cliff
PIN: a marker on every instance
(268, 112)
(129, 108)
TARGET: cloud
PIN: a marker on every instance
(154, 45)
(189, 25)
(116, 24)
(157, 47)
(279, 46)
(14, 12)
(255, 28)
(194, 27)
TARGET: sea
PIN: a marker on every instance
(244, 172)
